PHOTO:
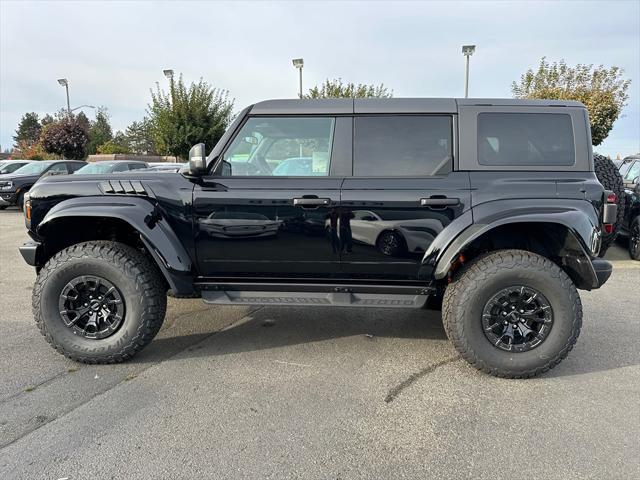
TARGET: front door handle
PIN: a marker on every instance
(439, 202)
(311, 202)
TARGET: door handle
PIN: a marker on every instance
(439, 202)
(311, 202)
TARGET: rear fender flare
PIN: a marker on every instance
(579, 217)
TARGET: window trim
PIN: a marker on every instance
(572, 127)
(453, 125)
(334, 119)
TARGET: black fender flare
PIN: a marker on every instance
(146, 218)
(579, 217)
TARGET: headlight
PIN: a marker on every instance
(6, 185)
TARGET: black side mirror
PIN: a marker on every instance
(197, 160)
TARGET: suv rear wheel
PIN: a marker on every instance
(634, 238)
(512, 313)
(99, 302)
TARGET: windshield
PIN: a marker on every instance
(10, 167)
(33, 168)
(101, 167)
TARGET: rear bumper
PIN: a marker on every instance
(602, 269)
(29, 252)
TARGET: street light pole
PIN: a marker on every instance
(467, 51)
(65, 83)
(299, 63)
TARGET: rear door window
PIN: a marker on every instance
(400, 146)
(525, 139)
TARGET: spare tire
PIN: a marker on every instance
(610, 178)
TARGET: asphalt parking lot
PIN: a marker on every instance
(228, 392)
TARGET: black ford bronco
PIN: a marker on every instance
(491, 206)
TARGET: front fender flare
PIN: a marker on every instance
(145, 217)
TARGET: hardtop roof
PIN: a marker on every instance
(345, 106)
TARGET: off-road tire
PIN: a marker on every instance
(610, 178)
(478, 281)
(132, 273)
(634, 238)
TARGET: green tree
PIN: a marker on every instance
(140, 137)
(46, 120)
(118, 144)
(66, 137)
(99, 131)
(185, 116)
(336, 88)
(28, 131)
(602, 90)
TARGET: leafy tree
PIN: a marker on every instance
(602, 90)
(118, 144)
(32, 151)
(46, 120)
(188, 115)
(66, 137)
(99, 131)
(28, 131)
(336, 88)
(140, 137)
(83, 121)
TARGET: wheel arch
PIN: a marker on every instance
(569, 235)
(133, 221)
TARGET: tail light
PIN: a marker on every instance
(608, 228)
(609, 212)
(611, 197)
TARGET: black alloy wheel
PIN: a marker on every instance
(517, 319)
(92, 307)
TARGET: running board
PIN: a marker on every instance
(319, 299)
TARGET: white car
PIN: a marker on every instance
(239, 225)
(394, 236)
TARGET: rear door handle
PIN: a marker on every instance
(439, 202)
(311, 202)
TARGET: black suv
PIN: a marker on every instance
(14, 186)
(630, 171)
(490, 205)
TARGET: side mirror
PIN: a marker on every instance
(197, 160)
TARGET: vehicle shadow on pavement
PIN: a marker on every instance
(277, 327)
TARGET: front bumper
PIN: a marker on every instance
(7, 198)
(29, 252)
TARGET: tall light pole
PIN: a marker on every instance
(467, 51)
(168, 73)
(65, 83)
(299, 63)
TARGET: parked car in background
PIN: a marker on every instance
(630, 228)
(112, 167)
(10, 166)
(13, 186)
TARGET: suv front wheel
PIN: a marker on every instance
(99, 302)
(512, 313)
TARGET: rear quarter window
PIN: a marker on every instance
(525, 139)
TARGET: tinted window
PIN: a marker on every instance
(283, 146)
(525, 139)
(75, 166)
(391, 146)
(136, 166)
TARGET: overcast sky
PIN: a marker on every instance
(113, 52)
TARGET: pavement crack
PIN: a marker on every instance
(414, 377)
